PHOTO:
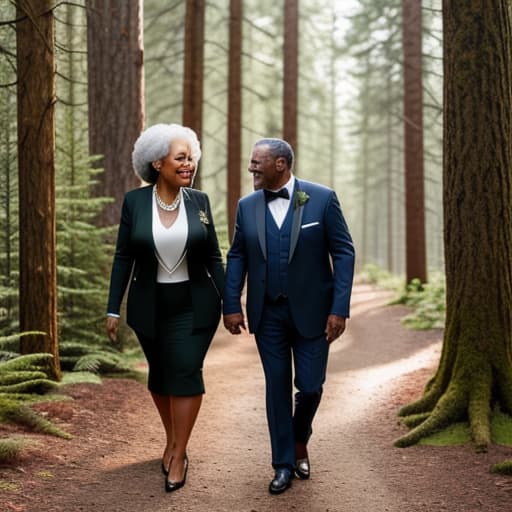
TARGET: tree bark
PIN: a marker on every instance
(116, 98)
(193, 71)
(234, 110)
(475, 369)
(291, 72)
(416, 266)
(35, 59)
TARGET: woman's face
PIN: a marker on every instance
(177, 168)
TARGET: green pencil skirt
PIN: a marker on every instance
(175, 358)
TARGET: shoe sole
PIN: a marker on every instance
(280, 491)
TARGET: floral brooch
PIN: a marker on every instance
(301, 198)
(203, 217)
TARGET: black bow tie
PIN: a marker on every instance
(270, 195)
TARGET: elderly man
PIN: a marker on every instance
(293, 245)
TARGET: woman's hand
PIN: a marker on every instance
(112, 326)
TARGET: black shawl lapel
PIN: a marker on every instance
(260, 211)
(297, 220)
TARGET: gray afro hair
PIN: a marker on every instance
(154, 143)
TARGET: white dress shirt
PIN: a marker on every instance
(279, 207)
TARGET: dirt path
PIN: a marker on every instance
(112, 464)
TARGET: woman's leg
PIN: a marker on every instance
(184, 411)
(163, 405)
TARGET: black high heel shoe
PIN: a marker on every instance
(174, 486)
(165, 471)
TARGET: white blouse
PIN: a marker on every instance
(170, 246)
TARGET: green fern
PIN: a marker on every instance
(14, 377)
(40, 386)
(29, 362)
(428, 301)
(102, 363)
(10, 449)
(14, 412)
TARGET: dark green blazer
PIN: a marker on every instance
(135, 261)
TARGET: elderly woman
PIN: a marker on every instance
(167, 250)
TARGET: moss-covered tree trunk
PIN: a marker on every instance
(475, 371)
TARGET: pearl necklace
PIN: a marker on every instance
(168, 207)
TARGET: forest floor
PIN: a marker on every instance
(112, 464)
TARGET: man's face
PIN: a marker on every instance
(264, 169)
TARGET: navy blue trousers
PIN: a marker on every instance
(289, 359)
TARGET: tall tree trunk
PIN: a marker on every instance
(291, 72)
(389, 175)
(35, 60)
(475, 370)
(193, 70)
(116, 112)
(416, 266)
(234, 110)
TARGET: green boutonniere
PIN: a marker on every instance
(301, 198)
(203, 217)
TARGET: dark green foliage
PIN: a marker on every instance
(14, 412)
(373, 274)
(83, 250)
(93, 358)
(428, 301)
(29, 363)
(14, 377)
(8, 176)
(21, 379)
(30, 386)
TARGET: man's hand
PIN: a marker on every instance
(334, 328)
(112, 326)
(234, 323)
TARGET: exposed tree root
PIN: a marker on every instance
(415, 419)
(449, 408)
(479, 408)
(425, 404)
(468, 396)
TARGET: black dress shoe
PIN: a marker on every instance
(282, 480)
(302, 468)
(174, 486)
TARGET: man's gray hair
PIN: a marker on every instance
(154, 143)
(278, 148)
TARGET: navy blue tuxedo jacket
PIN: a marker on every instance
(321, 260)
(135, 261)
